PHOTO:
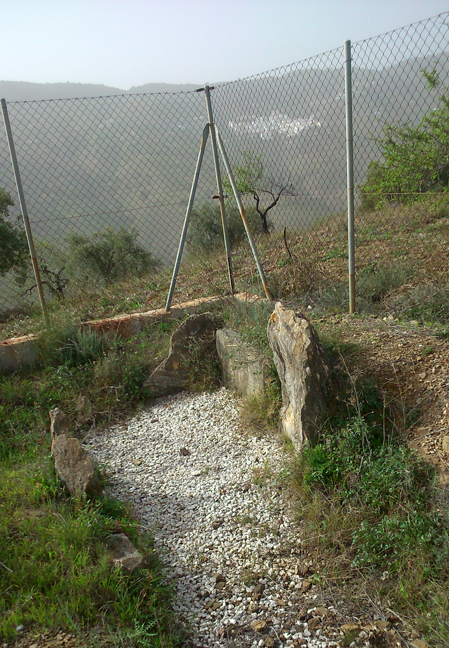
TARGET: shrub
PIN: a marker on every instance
(415, 158)
(111, 254)
(206, 232)
(426, 302)
(13, 243)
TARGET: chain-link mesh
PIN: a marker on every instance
(287, 127)
(118, 162)
(401, 162)
(122, 166)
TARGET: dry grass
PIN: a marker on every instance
(407, 241)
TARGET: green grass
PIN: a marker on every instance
(56, 570)
(368, 501)
(54, 564)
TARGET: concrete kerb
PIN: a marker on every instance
(21, 351)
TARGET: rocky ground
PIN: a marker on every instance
(216, 499)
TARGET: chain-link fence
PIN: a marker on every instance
(107, 179)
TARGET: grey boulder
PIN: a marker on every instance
(244, 369)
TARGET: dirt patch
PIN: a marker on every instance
(411, 365)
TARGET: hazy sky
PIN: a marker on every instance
(126, 43)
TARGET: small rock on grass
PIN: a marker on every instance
(420, 643)
(313, 623)
(124, 554)
(306, 585)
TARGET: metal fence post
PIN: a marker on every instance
(242, 213)
(220, 188)
(26, 221)
(350, 174)
(187, 216)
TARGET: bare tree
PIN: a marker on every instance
(266, 190)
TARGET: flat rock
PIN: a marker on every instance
(124, 554)
(346, 628)
(244, 368)
(419, 643)
(258, 625)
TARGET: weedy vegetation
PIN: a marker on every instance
(54, 562)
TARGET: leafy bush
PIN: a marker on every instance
(111, 254)
(415, 158)
(13, 243)
(205, 231)
(365, 470)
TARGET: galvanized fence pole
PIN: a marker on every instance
(242, 212)
(207, 90)
(187, 216)
(26, 221)
(350, 174)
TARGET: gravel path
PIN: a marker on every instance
(213, 498)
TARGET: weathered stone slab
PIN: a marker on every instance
(124, 554)
(244, 369)
(59, 423)
(303, 372)
(72, 463)
(194, 338)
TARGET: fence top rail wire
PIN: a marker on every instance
(260, 75)
(403, 28)
(105, 96)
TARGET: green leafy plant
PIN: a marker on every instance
(110, 254)
(13, 243)
(205, 231)
(415, 158)
(72, 346)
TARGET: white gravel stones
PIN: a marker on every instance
(218, 516)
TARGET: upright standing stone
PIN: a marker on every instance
(303, 372)
(193, 339)
(244, 368)
(72, 463)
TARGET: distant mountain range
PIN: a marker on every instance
(25, 91)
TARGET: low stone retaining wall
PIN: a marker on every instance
(21, 352)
